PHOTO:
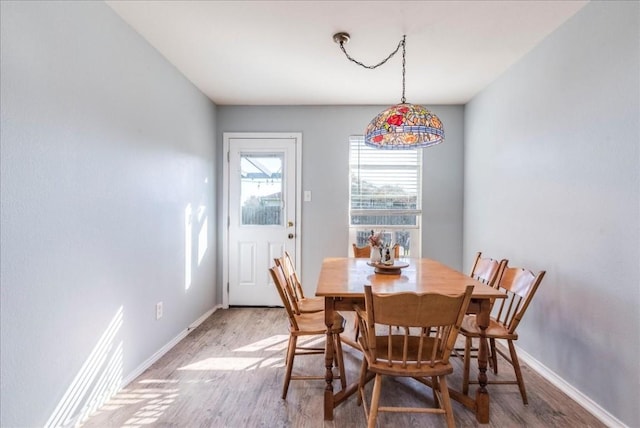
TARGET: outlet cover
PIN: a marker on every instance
(159, 310)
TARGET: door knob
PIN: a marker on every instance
(291, 235)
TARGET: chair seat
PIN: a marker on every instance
(495, 330)
(313, 323)
(311, 304)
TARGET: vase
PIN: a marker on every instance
(376, 254)
(387, 256)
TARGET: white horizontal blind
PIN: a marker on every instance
(385, 186)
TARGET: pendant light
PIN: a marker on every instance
(401, 126)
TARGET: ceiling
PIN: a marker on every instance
(283, 53)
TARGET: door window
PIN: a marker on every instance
(261, 189)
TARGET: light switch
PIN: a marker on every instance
(307, 195)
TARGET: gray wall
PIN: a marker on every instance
(325, 171)
(103, 145)
(552, 182)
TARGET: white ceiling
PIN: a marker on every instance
(283, 53)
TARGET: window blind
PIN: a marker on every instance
(385, 185)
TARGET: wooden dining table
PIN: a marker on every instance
(341, 283)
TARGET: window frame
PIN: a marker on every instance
(356, 230)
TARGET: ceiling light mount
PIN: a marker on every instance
(341, 37)
(404, 125)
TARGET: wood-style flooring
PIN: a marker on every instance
(228, 372)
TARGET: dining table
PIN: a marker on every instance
(341, 282)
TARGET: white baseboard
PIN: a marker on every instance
(587, 403)
(166, 348)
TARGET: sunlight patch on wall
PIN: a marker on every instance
(188, 230)
(99, 378)
(203, 242)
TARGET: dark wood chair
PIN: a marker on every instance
(307, 324)
(520, 285)
(420, 348)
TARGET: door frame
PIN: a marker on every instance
(227, 136)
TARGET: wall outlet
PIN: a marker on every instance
(159, 309)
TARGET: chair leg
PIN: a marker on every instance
(516, 368)
(435, 386)
(446, 402)
(362, 380)
(467, 364)
(291, 352)
(375, 401)
(340, 363)
(494, 356)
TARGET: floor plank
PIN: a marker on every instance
(228, 373)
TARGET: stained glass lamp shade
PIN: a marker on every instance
(404, 126)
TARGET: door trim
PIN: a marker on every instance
(227, 136)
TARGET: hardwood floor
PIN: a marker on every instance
(228, 373)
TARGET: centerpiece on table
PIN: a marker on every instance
(380, 252)
(382, 256)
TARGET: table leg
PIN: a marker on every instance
(482, 395)
(328, 359)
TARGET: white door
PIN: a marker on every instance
(262, 220)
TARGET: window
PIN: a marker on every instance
(261, 189)
(385, 195)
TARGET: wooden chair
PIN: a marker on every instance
(487, 270)
(361, 252)
(307, 324)
(429, 325)
(520, 285)
(300, 303)
(365, 252)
